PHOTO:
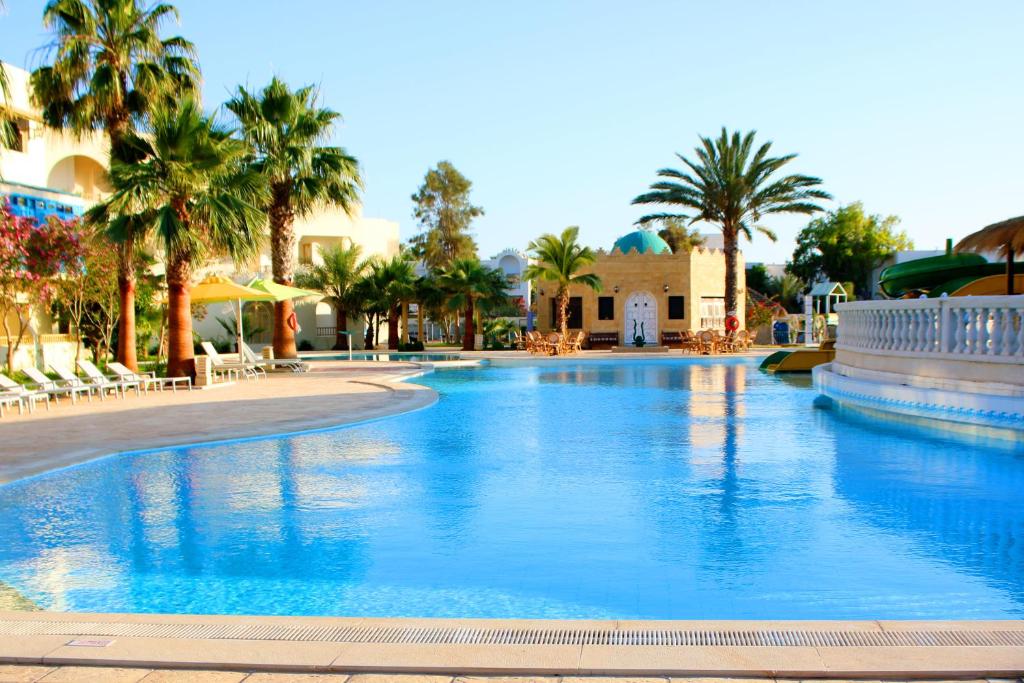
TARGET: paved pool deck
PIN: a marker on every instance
(54, 646)
(332, 394)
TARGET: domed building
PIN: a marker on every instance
(647, 291)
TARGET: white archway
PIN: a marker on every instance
(81, 175)
(641, 315)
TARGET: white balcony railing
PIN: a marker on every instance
(987, 328)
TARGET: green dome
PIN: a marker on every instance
(642, 241)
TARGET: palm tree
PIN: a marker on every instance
(468, 281)
(731, 185)
(430, 296)
(370, 291)
(336, 276)
(399, 290)
(560, 260)
(288, 130)
(110, 68)
(191, 189)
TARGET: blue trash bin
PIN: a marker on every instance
(780, 332)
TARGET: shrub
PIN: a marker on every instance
(305, 345)
(411, 346)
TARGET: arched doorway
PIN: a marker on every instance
(80, 175)
(641, 318)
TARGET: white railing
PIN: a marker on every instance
(969, 327)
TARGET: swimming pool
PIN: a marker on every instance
(408, 356)
(629, 489)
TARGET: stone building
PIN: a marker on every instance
(646, 287)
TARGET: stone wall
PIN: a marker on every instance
(694, 275)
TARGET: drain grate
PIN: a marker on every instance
(454, 635)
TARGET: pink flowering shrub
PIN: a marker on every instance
(32, 257)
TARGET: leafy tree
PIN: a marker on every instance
(468, 281)
(845, 245)
(190, 189)
(560, 259)
(32, 256)
(110, 69)
(288, 131)
(680, 237)
(445, 214)
(88, 291)
(758, 278)
(733, 186)
(336, 275)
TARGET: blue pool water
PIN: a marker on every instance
(412, 357)
(686, 489)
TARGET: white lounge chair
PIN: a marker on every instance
(242, 368)
(293, 364)
(8, 400)
(103, 383)
(57, 386)
(27, 395)
(71, 379)
(148, 379)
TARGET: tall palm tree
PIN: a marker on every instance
(400, 289)
(560, 260)
(336, 276)
(288, 130)
(732, 185)
(192, 191)
(468, 281)
(429, 297)
(110, 68)
(371, 293)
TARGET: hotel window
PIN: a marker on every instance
(712, 313)
(676, 307)
(575, 313)
(606, 308)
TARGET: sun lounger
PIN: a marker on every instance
(71, 379)
(57, 386)
(27, 395)
(148, 379)
(103, 383)
(8, 400)
(242, 368)
(293, 364)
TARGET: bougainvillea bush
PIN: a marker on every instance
(33, 256)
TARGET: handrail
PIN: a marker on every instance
(974, 327)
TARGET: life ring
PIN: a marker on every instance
(732, 323)
(292, 321)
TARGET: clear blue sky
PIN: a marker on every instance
(560, 112)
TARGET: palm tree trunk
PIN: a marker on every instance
(469, 337)
(405, 322)
(126, 348)
(563, 312)
(282, 251)
(340, 327)
(729, 243)
(393, 315)
(180, 359)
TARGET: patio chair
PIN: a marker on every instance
(57, 386)
(572, 344)
(293, 364)
(103, 383)
(71, 379)
(691, 343)
(552, 343)
(7, 400)
(8, 387)
(240, 368)
(148, 379)
(707, 342)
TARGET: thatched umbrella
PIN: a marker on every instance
(1005, 237)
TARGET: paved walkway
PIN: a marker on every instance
(69, 674)
(334, 393)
